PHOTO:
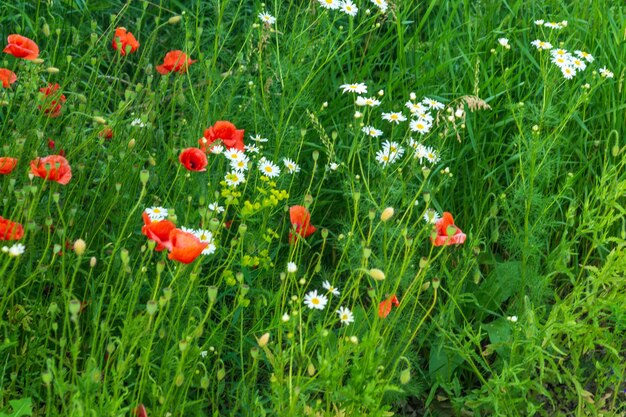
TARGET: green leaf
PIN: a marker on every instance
(22, 407)
(443, 362)
(499, 332)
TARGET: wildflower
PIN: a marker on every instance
(381, 4)
(345, 316)
(16, 250)
(184, 247)
(313, 300)
(292, 267)
(52, 168)
(420, 125)
(258, 138)
(387, 214)
(140, 411)
(504, 42)
(383, 157)
(431, 155)
(177, 61)
(560, 52)
(432, 104)
(512, 319)
(539, 22)
(384, 308)
(226, 132)
(348, 8)
(553, 25)
(431, 216)
(359, 88)
(10, 230)
(216, 207)
(584, 55)
(267, 18)
(193, 159)
(251, 148)
(415, 107)
(204, 353)
(605, 73)
(21, 47)
(234, 154)
(395, 117)
(291, 166)
(240, 164)
(7, 165)
(234, 178)
(106, 133)
(367, 101)
(7, 77)
(568, 72)
(269, 169)
(330, 288)
(206, 236)
(394, 149)
(561, 61)
(578, 64)
(137, 122)
(333, 166)
(300, 221)
(330, 4)
(541, 44)
(285, 318)
(52, 100)
(371, 131)
(156, 213)
(124, 41)
(446, 233)
(157, 230)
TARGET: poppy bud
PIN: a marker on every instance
(263, 340)
(100, 120)
(204, 382)
(366, 253)
(376, 274)
(180, 378)
(386, 214)
(405, 376)
(183, 345)
(311, 369)
(254, 352)
(46, 30)
(131, 143)
(221, 373)
(46, 377)
(93, 261)
(371, 292)
(52, 70)
(37, 61)
(79, 247)
(174, 19)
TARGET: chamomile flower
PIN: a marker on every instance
(316, 301)
(424, 115)
(234, 178)
(206, 236)
(381, 4)
(541, 44)
(420, 125)
(269, 169)
(330, 4)
(394, 149)
(504, 42)
(384, 157)
(578, 64)
(584, 55)
(431, 155)
(333, 166)
(292, 267)
(553, 25)
(539, 22)
(234, 155)
(561, 61)
(348, 8)
(371, 131)
(291, 166)
(267, 18)
(420, 151)
(345, 316)
(568, 72)
(359, 88)
(329, 287)
(258, 138)
(605, 73)
(560, 52)
(216, 149)
(216, 207)
(251, 148)
(415, 107)
(156, 213)
(367, 101)
(394, 117)
(431, 216)
(240, 164)
(432, 104)
(16, 250)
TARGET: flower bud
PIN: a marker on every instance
(79, 247)
(263, 340)
(405, 376)
(386, 214)
(46, 30)
(99, 120)
(74, 307)
(52, 70)
(311, 369)
(376, 274)
(174, 20)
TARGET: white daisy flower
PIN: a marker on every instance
(568, 72)
(330, 4)
(541, 44)
(285, 318)
(359, 88)
(384, 157)
(367, 101)
(560, 52)
(333, 166)
(348, 8)
(431, 216)
(329, 287)
(156, 213)
(432, 104)
(539, 22)
(504, 42)
(292, 267)
(561, 61)
(415, 107)
(578, 64)
(291, 166)
(234, 178)
(251, 148)
(431, 155)
(234, 155)
(206, 236)
(217, 149)
(137, 122)
(553, 25)
(381, 4)
(394, 149)
(420, 151)
(394, 117)
(216, 207)
(371, 131)
(258, 138)
(204, 353)
(240, 164)
(345, 316)
(420, 125)
(313, 300)
(424, 116)
(269, 169)
(605, 73)
(16, 250)
(267, 18)
(584, 55)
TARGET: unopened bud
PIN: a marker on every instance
(46, 30)
(386, 214)
(376, 274)
(99, 120)
(52, 70)
(131, 143)
(263, 340)
(79, 247)
(405, 376)
(74, 307)
(174, 19)
(93, 261)
(311, 369)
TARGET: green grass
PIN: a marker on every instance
(535, 177)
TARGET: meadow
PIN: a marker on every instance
(323, 208)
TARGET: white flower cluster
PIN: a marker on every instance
(349, 8)
(315, 301)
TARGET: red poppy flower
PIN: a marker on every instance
(140, 411)
(7, 77)
(175, 61)
(52, 168)
(7, 164)
(224, 131)
(301, 220)
(51, 144)
(193, 159)
(52, 100)
(384, 308)
(446, 233)
(185, 247)
(21, 47)
(10, 230)
(106, 133)
(159, 231)
(124, 42)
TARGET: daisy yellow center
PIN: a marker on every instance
(156, 211)
(420, 126)
(344, 317)
(385, 158)
(394, 116)
(349, 8)
(329, 1)
(315, 301)
(268, 169)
